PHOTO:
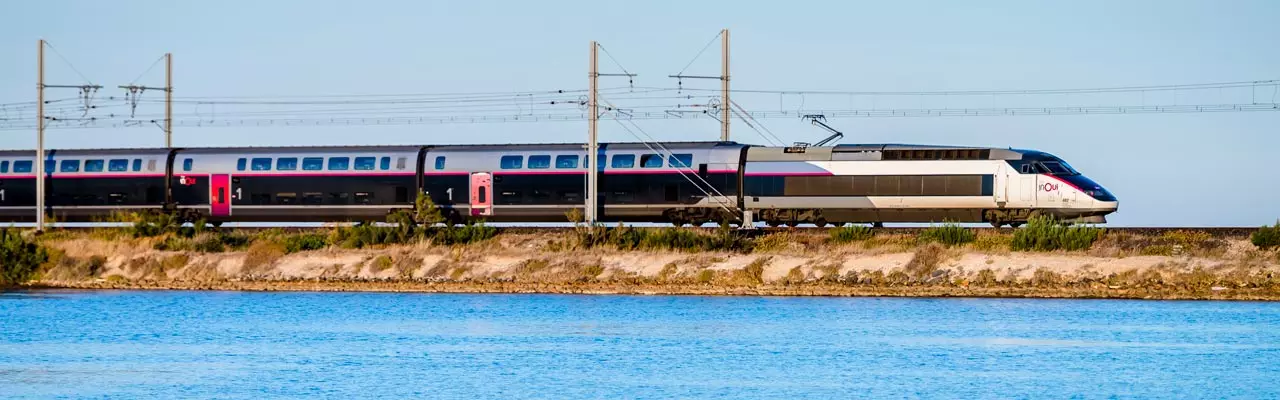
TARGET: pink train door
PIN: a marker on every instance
(220, 195)
(481, 194)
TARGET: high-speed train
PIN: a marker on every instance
(678, 182)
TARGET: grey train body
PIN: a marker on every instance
(680, 182)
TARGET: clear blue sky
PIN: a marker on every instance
(1167, 169)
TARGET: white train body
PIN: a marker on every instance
(912, 183)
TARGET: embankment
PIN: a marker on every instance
(1188, 266)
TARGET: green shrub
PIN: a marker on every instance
(852, 233)
(949, 234)
(1046, 234)
(466, 234)
(19, 258)
(304, 242)
(1266, 237)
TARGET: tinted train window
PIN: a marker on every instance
(680, 161)
(137, 164)
(650, 161)
(566, 161)
(70, 166)
(366, 163)
(4, 167)
(385, 163)
(512, 162)
(186, 164)
(539, 162)
(312, 163)
(339, 163)
(93, 165)
(624, 161)
(400, 163)
(118, 165)
(21, 166)
(287, 163)
(151, 165)
(440, 162)
(261, 164)
(240, 164)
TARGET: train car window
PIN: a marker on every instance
(400, 163)
(339, 163)
(287, 163)
(650, 161)
(440, 162)
(624, 161)
(313, 163)
(186, 164)
(511, 162)
(539, 162)
(385, 163)
(260, 164)
(94, 165)
(118, 165)
(481, 195)
(1026, 168)
(21, 166)
(680, 161)
(137, 164)
(1057, 168)
(4, 167)
(566, 161)
(151, 165)
(69, 166)
(366, 163)
(241, 164)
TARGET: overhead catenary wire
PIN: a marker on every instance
(68, 62)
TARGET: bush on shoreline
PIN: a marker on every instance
(949, 234)
(1266, 237)
(19, 258)
(1046, 234)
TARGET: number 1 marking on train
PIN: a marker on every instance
(1, 194)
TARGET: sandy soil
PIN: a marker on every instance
(523, 264)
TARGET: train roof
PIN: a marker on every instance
(362, 148)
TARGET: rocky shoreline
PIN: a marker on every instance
(793, 265)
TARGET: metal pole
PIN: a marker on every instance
(168, 100)
(724, 85)
(592, 144)
(40, 140)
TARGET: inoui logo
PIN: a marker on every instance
(1049, 187)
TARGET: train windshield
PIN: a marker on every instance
(1059, 168)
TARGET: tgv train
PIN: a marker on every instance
(680, 183)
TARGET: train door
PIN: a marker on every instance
(1027, 187)
(481, 194)
(1001, 189)
(219, 195)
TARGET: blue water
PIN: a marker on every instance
(75, 344)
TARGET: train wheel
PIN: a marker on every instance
(216, 224)
(772, 223)
(820, 222)
(1015, 224)
(995, 223)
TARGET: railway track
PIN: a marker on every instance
(1217, 232)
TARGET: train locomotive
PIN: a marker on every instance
(677, 182)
